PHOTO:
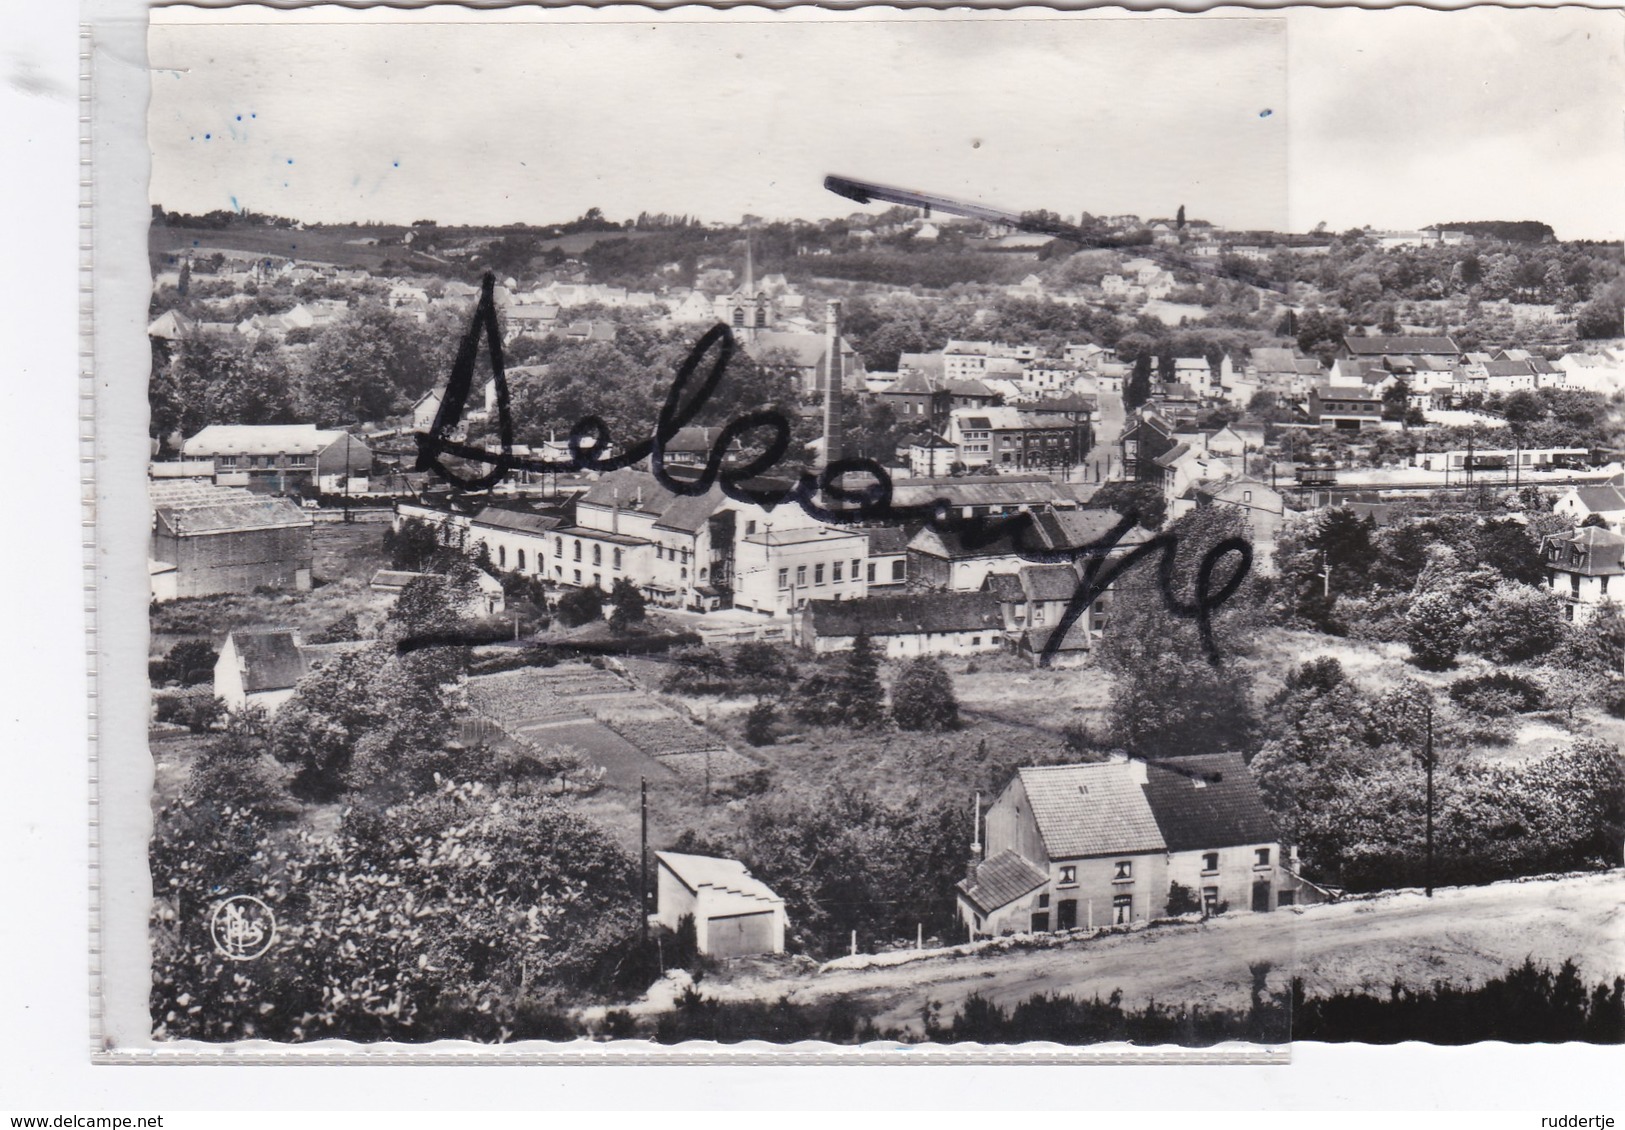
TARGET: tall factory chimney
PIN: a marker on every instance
(834, 432)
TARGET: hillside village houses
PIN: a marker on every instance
(1102, 844)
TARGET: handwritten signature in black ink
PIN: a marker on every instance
(824, 496)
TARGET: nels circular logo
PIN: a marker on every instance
(242, 927)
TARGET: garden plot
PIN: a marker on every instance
(625, 765)
(605, 719)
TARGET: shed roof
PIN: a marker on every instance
(1001, 880)
(728, 878)
(270, 658)
(262, 439)
(231, 516)
(906, 614)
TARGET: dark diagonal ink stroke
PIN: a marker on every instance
(823, 496)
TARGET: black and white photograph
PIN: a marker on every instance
(882, 528)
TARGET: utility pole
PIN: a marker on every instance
(1427, 764)
(1325, 576)
(643, 857)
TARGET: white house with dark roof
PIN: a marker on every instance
(1101, 844)
(735, 914)
(1604, 502)
(262, 666)
(281, 458)
(904, 625)
(1586, 567)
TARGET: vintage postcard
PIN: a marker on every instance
(889, 532)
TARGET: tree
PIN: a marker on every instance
(1519, 623)
(580, 606)
(759, 723)
(922, 697)
(190, 662)
(184, 282)
(1138, 389)
(627, 605)
(860, 697)
(412, 545)
(1599, 318)
(1395, 401)
(455, 914)
(1433, 629)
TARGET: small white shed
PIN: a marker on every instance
(734, 914)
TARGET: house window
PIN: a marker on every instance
(617, 561)
(1069, 876)
(1125, 871)
(1261, 857)
(897, 569)
(227, 462)
(558, 547)
(1286, 898)
(818, 574)
(519, 560)
(597, 555)
(1122, 909)
(578, 549)
(976, 641)
(801, 574)
(837, 575)
(578, 576)
(1040, 922)
(855, 564)
(683, 556)
(784, 578)
(1210, 862)
(870, 575)
(502, 557)
(750, 527)
(1043, 900)
(299, 461)
(597, 581)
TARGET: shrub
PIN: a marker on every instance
(1182, 899)
(923, 697)
(580, 606)
(1517, 624)
(1497, 694)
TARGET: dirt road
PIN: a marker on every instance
(1463, 935)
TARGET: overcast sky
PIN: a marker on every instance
(1395, 119)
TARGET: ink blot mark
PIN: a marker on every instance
(290, 160)
(976, 143)
(207, 136)
(1265, 113)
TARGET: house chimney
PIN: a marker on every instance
(834, 438)
(615, 512)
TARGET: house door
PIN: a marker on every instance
(740, 934)
(1066, 914)
(1261, 894)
